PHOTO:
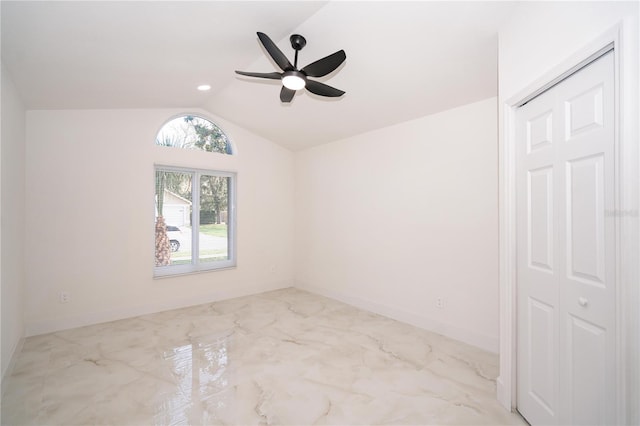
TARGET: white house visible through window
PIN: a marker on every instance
(194, 208)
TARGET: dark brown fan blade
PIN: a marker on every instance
(275, 53)
(324, 66)
(271, 75)
(322, 89)
(286, 94)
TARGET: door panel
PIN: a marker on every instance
(584, 112)
(565, 251)
(540, 218)
(537, 349)
(539, 131)
(588, 369)
(585, 216)
(542, 354)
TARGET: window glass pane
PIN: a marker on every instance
(195, 224)
(214, 218)
(192, 132)
(173, 218)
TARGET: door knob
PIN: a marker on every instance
(582, 301)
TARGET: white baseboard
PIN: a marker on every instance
(12, 363)
(488, 343)
(34, 328)
(44, 326)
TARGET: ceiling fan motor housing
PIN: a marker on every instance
(297, 41)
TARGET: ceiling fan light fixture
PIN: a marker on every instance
(294, 80)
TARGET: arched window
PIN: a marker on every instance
(194, 208)
(193, 132)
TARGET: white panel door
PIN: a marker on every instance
(565, 242)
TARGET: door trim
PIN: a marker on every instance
(621, 39)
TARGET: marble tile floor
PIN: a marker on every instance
(285, 357)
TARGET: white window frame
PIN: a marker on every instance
(195, 266)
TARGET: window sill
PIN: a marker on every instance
(168, 273)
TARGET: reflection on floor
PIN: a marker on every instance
(283, 357)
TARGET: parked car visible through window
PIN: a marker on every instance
(175, 234)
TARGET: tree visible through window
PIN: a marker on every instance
(193, 132)
(195, 221)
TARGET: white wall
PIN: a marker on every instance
(12, 224)
(80, 164)
(392, 219)
(540, 35)
(537, 38)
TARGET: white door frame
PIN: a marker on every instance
(623, 39)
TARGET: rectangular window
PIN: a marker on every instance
(194, 220)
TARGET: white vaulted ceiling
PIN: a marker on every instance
(404, 59)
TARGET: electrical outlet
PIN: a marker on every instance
(439, 303)
(64, 297)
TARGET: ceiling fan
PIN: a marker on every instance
(294, 79)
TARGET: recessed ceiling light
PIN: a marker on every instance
(204, 87)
